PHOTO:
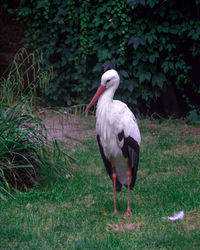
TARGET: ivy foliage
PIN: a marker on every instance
(150, 42)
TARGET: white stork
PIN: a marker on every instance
(118, 135)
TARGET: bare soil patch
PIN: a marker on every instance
(66, 127)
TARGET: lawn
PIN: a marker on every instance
(75, 212)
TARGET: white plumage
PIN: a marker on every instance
(117, 131)
(111, 119)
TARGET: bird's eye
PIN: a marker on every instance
(108, 81)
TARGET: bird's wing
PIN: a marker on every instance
(107, 164)
(129, 139)
(124, 120)
(130, 149)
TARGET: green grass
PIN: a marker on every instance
(26, 154)
(25, 77)
(74, 213)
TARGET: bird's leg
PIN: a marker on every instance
(114, 177)
(128, 212)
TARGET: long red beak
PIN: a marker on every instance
(100, 90)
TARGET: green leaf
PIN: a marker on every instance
(41, 4)
(167, 66)
(153, 57)
(135, 41)
(144, 76)
(131, 84)
(158, 80)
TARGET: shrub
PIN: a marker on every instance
(153, 44)
(21, 143)
(26, 154)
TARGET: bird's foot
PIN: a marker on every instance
(128, 213)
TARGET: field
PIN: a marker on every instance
(74, 210)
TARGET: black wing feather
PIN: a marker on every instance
(131, 150)
(108, 165)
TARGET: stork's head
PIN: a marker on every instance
(110, 79)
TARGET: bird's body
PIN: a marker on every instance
(112, 120)
(117, 134)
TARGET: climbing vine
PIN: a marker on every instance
(152, 43)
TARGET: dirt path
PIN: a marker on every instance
(66, 127)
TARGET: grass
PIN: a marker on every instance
(76, 212)
(25, 77)
(25, 152)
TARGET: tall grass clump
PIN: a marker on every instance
(25, 77)
(26, 155)
(21, 143)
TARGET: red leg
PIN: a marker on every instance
(128, 212)
(114, 177)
